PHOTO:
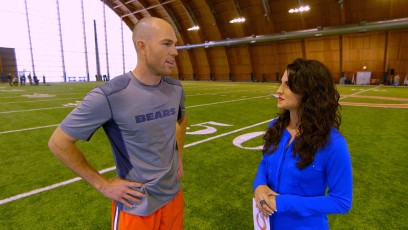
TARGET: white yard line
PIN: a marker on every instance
(30, 110)
(27, 129)
(216, 93)
(62, 107)
(363, 91)
(32, 101)
(222, 102)
(193, 106)
(36, 191)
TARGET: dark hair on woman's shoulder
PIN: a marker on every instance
(318, 112)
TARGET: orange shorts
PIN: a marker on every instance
(168, 217)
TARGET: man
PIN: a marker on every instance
(22, 79)
(396, 80)
(143, 115)
(10, 79)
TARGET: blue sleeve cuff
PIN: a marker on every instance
(283, 202)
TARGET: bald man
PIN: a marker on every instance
(143, 115)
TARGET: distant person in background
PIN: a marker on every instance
(305, 172)
(30, 79)
(342, 80)
(36, 81)
(22, 79)
(15, 80)
(396, 80)
(10, 79)
(143, 114)
(43, 79)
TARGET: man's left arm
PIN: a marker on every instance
(181, 127)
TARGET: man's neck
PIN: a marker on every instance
(146, 78)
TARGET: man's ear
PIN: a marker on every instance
(141, 45)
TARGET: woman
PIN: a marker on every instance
(305, 172)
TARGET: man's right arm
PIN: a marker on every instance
(64, 148)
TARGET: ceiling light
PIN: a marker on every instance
(193, 28)
(237, 20)
(300, 9)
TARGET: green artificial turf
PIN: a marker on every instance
(217, 183)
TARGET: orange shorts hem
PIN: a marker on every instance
(168, 217)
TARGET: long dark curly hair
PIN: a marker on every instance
(318, 112)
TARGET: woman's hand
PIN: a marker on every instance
(265, 199)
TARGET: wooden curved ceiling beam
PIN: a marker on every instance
(216, 64)
(197, 59)
(263, 17)
(324, 13)
(182, 65)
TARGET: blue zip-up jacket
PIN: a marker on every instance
(306, 196)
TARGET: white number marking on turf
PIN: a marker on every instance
(238, 141)
(207, 128)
